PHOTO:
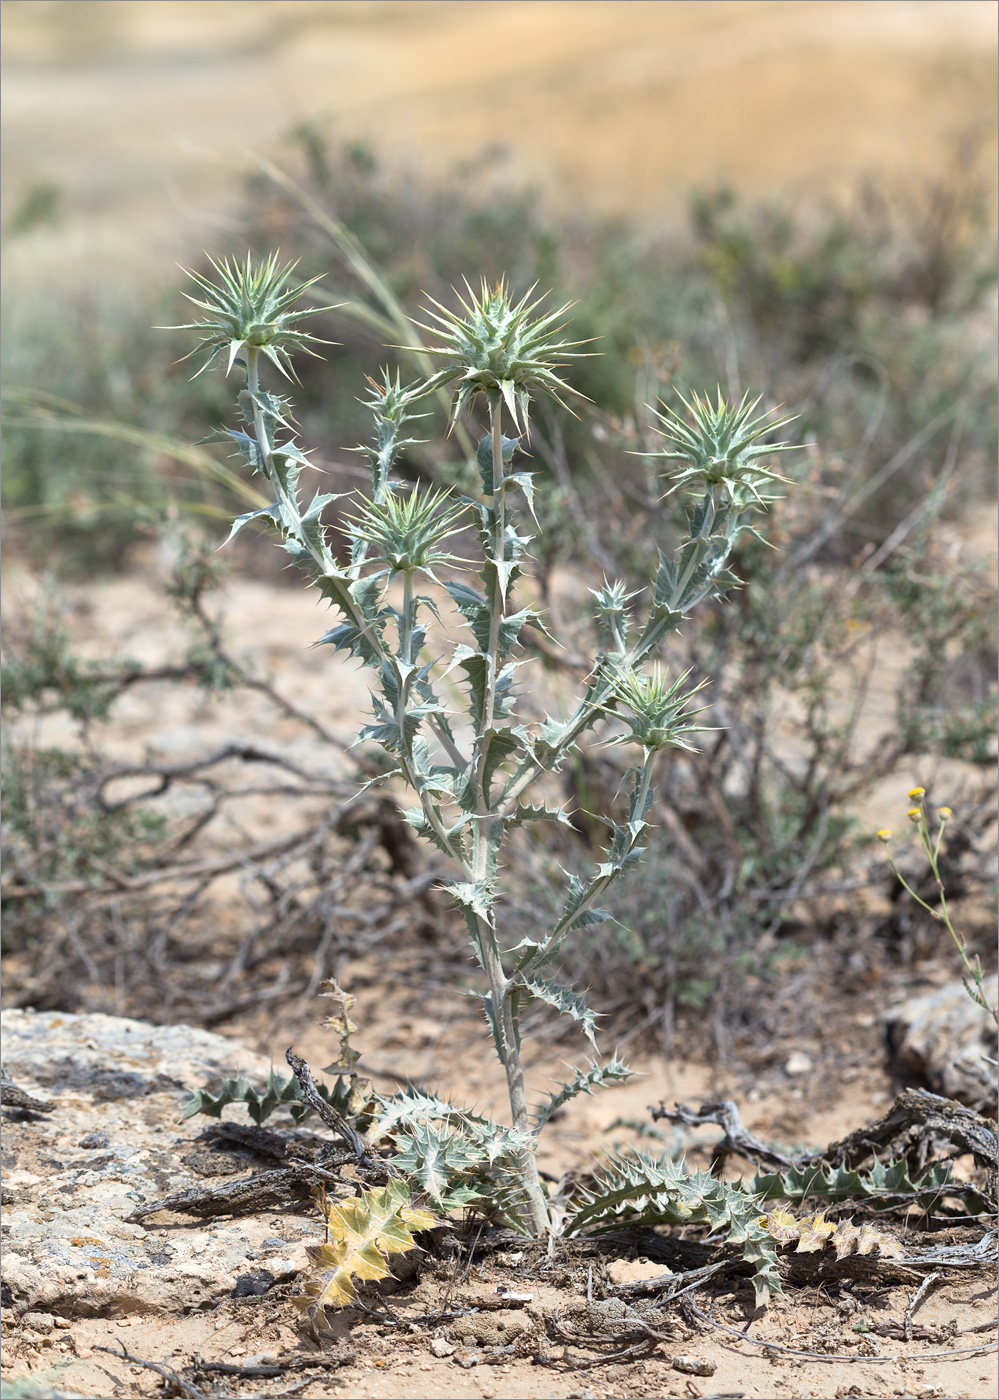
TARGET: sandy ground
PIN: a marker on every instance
(850, 1329)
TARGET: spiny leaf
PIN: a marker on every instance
(457, 1156)
(568, 1002)
(526, 812)
(365, 1231)
(496, 745)
(279, 1093)
(640, 1190)
(439, 1160)
(814, 1233)
(584, 1081)
(270, 513)
(476, 896)
(844, 1184)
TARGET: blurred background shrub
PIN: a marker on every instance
(871, 318)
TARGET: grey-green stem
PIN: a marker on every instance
(501, 990)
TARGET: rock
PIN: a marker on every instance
(441, 1348)
(942, 1037)
(94, 1140)
(635, 1271)
(797, 1063)
(490, 1329)
(253, 1285)
(37, 1322)
(694, 1365)
(111, 1142)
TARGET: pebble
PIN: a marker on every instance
(693, 1366)
(38, 1322)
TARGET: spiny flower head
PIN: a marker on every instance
(390, 400)
(251, 307)
(721, 447)
(501, 348)
(659, 717)
(408, 531)
(391, 403)
(612, 609)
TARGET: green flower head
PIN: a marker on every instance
(721, 446)
(408, 532)
(658, 715)
(501, 348)
(612, 610)
(251, 308)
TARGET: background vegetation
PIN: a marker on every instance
(871, 319)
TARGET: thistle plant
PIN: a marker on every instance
(930, 845)
(477, 761)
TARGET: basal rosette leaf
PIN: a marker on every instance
(639, 1190)
(365, 1231)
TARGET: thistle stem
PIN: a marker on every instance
(502, 992)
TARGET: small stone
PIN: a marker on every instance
(465, 1358)
(797, 1063)
(253, 1285)
(634, 1271)
(441, 1348)
(62, 1323)
(506, 1292)
(262, 1358)
(38, 1322)
(93, 1140)
(693, 1366)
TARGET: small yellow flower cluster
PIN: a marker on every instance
(916, 814)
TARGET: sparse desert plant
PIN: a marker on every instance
(930, 845)
(478, 760)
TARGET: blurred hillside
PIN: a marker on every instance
(124, 122)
